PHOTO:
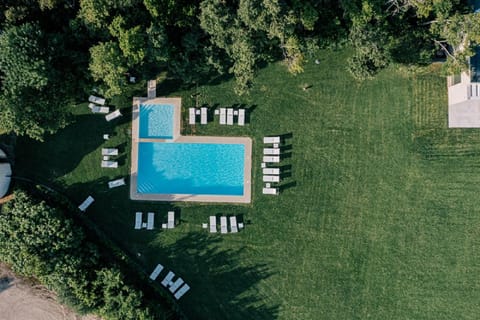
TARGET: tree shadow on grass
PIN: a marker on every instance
(222, 285)
(60, 153)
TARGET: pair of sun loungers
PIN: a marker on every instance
(139, 224)
(193, 113)
(226, 116)
(178, 288)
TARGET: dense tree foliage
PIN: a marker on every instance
(31, 93)
(39, 241)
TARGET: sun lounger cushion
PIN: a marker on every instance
(271, 151)
(85, 204)
(271, 140)
(181, 291)
(191, 116)
(116, 183)
(271, 159)
(156, 272)
(223, 116)
(229, 116)
(269, 190)
(109, 164)
(203, 118)
(150, 220)
(241, 117)
(271, 171)
(113, 115)
(96, 100)
(109, 152)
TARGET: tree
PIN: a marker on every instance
(32, 100)
(108, 65)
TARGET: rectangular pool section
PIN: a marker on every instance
(190, 168)
(156, 121)
(167, 166)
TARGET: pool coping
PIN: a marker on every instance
(178, 138)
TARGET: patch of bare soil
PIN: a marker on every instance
(20, 300)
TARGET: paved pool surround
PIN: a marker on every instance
(177, 138)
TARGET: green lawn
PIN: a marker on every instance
(378, 218)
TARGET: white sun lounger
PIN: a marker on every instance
(271, 159)
(191, 115)
(176, 285)
(109, 164)
(85, 204)
(213, 224)
(271, 171)
(229, 116)
(156, 272)
(223, 225)
(171, 220)
(109, 152)
(138, 220)
(181, 291)
(167, 281)
(223, 116)
(152, 89)
(203, 118)
(270, 191)
(233, 224)
(271, 140)
(116, 183)
(271, 151)
(96, 100)
(113, 115)
(271, 178)
(241, 117)
(150, 219)
(97, 109)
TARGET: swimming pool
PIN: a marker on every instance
(156, 121)
(190, 168)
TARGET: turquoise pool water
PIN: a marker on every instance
(156, 121)
(190, 168)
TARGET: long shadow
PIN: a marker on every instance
(222, 285)
(61, 153)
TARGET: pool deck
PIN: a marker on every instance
(177, 138)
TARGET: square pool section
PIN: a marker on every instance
(156, 121)
(191, 168)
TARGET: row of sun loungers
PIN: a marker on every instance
(226, 116)
(194, 112)
(271, 155)
(234, 226)
(178, 288)
(139, 224)
(97, 106)
(85, 204)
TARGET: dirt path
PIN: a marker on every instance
(20, 300)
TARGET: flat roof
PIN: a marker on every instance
(177, 138)
(465, 114)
